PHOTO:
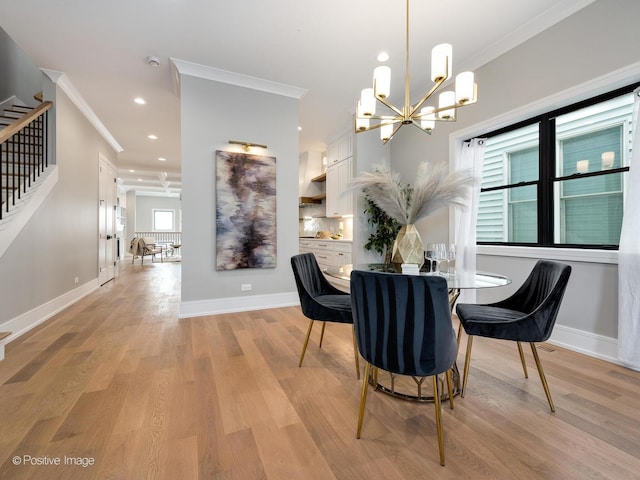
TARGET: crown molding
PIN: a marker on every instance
(183, 67)
(560, 11)
(62, 80)
(625, 75)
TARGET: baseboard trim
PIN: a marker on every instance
(598, 346)
(31, 319)
(4, 336)
(201, 308)
(591, 344)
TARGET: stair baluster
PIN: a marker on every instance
(23, 153)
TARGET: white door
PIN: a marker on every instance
(106, 218)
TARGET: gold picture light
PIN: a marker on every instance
(246, 145)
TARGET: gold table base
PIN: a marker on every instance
(401, 386)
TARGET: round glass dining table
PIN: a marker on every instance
(459, 281)
(402, 386)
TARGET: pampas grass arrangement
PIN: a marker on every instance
(434, 188)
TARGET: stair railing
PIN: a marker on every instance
(23, 155)
(163, 238)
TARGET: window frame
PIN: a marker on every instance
(173, 219)
(547, 177)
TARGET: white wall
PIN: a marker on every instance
(570, 61)
(144, 206)
(60, 242)
(211, 114)
(18, 75)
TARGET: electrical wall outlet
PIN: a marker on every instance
(245, 287)
(76, 280)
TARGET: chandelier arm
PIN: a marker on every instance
(425, 130)
(389, 106)
(393, 118)
(375, 127)
(395, 130)
(446, 107)
(419, 117)
(426, 97)
(384, 142)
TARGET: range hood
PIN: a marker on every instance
(310, 189)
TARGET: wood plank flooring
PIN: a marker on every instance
(119, 383)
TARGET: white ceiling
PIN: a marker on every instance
(328, 47)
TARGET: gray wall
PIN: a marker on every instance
(601, 38)
(18, 75)
(144, 206)
(60, 241)
(369, 152)
(211, 114)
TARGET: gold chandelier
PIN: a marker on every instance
(423, 117)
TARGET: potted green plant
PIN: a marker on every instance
(386, 230)
(407, 203)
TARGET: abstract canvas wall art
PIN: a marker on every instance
(245, 211)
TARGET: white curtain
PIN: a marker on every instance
(629, 256)
(470, 157)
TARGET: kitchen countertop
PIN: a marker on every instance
(327, 239)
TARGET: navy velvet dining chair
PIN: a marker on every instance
(526, 316)
(403, 326)
(319, 300)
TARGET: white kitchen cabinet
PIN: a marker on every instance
(342, 253)
(345, 194)
(345, 146)
(339, 195)
(328, 253)
(333, 155)
(332, 192)
(340, 149)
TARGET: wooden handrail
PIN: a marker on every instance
(13, 128)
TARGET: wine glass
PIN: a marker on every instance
(440, 255)
(451, 257)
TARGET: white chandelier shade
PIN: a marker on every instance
(465, 93)
(441, 61)
(382, 81)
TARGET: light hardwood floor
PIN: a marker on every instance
(119, 380)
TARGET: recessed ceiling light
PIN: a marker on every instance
(139, 179)
(140, 100)
(132, 171)
(299, 128)
(383, 56)
(152, 137)
(162, 159)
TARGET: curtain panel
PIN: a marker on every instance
(471, 157)
(629, 257)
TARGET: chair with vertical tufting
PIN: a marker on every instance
(403, 326)
(319, 300)
(526, 316)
